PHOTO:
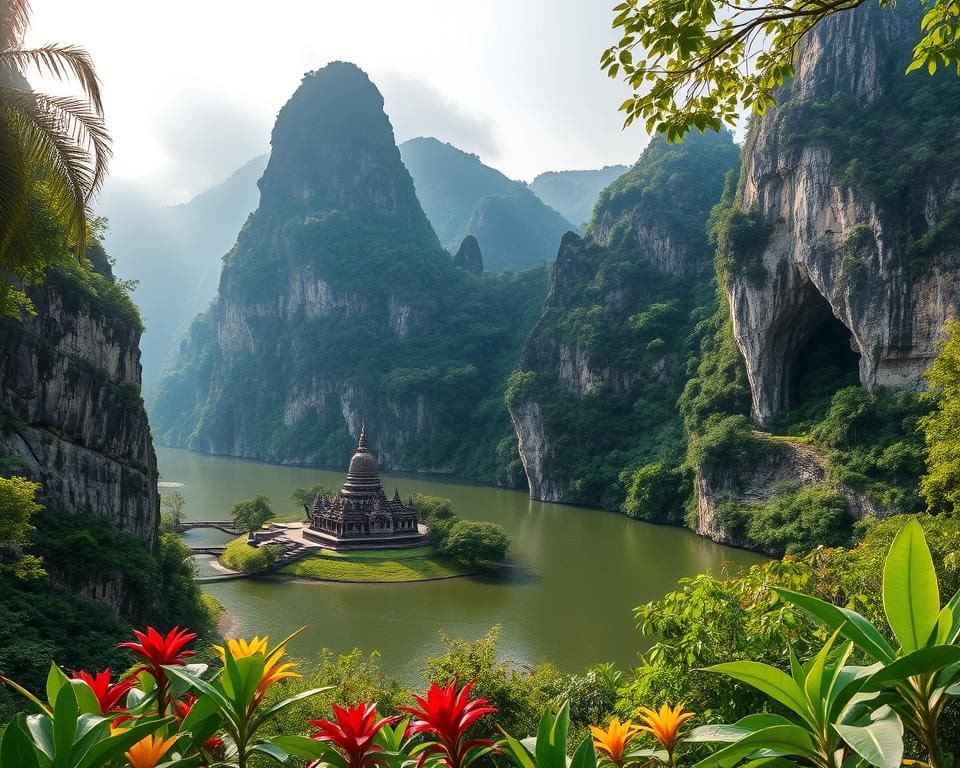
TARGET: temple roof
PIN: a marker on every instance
(363, 478)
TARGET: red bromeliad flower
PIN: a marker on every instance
(182, 707)
(161, 650)
(447, 714)
(352, 733)
(108, 694)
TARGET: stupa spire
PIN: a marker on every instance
(362, 444)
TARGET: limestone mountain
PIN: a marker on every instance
(337, 304)
(461, 196)
(174, 252)
(574, 193)
(838, 260)
(601, 371)
(71, 419)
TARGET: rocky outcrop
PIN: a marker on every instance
(338, 305)
(600, 372)
(468, 256)
(779, 462)
(835, 247)
(72, 413)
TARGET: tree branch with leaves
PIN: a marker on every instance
(701, 63)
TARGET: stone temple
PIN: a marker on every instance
(361, 516)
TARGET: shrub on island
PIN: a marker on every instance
(240, 556)
(470, 542)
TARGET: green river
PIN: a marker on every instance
(568, 596)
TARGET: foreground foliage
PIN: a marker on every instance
(697, 65)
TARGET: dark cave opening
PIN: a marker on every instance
(825, 362)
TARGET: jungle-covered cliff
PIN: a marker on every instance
(600, 374)
(769, 377)
(337, 304)
(73, 420)
(838, 261)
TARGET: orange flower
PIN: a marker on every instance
(664, 725)
(147, 752)
(613, 741)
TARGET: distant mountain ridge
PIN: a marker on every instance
(575, 193)
(462, 196)
(175, 253)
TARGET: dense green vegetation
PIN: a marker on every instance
(57, 551)
(635, 327)
(471, 543)
(252, 514)
(940, 486)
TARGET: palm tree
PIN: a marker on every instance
(59, 141)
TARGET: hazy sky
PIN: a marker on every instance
(192, 87)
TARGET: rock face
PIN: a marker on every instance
(71, 410)
(337, 304)
(781, 462)
(468, 256)
(837, 246)
(601, 371)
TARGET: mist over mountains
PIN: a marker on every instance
(175, 251)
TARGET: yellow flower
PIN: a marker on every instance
(147, 752)
(613, 741)
(664, 725)
(273, 669)
(241, 649)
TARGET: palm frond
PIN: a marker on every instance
(14, 18)
(14, 188)
(64, 139)
(61, 61)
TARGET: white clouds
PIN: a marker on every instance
(192, 86)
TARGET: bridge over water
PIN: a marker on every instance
(227, 526)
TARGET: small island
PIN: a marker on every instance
(362, 535)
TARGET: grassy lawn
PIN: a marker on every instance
(240, 556)
(382, 565)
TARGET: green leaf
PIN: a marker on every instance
(731, 733)
(65, 713)
(776, 741)
(854, 626)
(519, 754)
(268, 714)
(880, 742)
(585, 756)
(224, 705)
(271, 750)
(303, 747)
(55, 680)
(911, 597)
(104, 751)
(551, 749)
(925, 661)
(16, 749)
(766, 679)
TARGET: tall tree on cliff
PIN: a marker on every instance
(57, 146)
(699, 63)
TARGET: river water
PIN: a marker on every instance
(568, 596)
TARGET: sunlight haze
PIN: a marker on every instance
(192, 91)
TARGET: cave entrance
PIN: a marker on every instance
(826, 360)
